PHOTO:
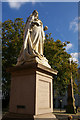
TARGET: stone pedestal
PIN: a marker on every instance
(31, 91)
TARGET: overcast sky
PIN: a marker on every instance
(60, 17)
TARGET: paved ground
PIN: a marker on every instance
(62, 115)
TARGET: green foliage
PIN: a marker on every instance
(12, 39)
(59, 59)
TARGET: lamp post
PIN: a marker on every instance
(60, 105)
(70, 100)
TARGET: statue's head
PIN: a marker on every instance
(35, 13)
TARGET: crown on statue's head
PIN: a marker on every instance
(35, 11)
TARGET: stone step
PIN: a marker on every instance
(12, 116)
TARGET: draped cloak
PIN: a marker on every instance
(33, 40)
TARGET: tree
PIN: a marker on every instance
(12, 36)
(59, 59)
(12, 39)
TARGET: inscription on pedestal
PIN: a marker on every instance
(44, 94)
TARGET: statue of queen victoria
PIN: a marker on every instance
(34, 37)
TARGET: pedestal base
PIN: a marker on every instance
(31, 95)
(12, 116)
(31, 89)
